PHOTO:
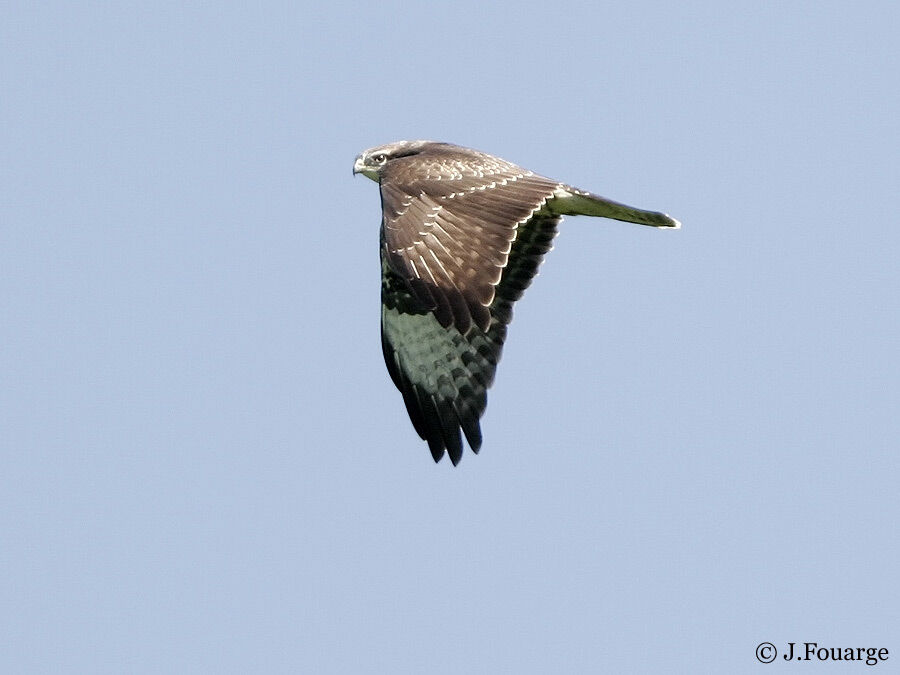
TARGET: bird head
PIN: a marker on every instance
(370, 163)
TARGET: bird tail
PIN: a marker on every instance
(569, 201)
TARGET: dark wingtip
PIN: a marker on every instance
(452, 441)
(437, 450)
(473, 436)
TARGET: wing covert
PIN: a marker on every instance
(448, 227)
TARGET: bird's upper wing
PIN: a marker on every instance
(448, 224)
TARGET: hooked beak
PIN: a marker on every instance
(359, 166)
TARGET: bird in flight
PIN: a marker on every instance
(462, 235)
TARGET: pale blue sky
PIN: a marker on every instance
(691, 446)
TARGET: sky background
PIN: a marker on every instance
(691, 445)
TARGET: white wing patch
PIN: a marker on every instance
(488, 186)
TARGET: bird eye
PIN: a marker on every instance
(379, 159)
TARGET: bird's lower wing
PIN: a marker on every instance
(442, 373)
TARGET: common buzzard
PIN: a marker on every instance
(462, 236)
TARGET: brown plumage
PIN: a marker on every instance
(463, 234)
